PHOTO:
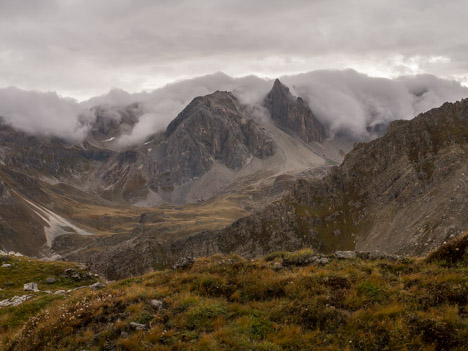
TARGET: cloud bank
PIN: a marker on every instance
(343, 100)
(81, 48)
(38, 113)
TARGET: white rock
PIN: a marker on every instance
(31, 287)
(15, 301)
(157, 304)
(6, 265)
(97, 286)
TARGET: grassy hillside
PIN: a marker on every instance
(68, 276)
(281, 302)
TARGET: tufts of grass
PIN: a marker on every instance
(228, 303)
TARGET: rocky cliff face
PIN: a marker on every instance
(293, 114)
(44, 156)
(213, 128)
(405, 193)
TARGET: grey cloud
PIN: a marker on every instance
(343, 100)
(349, 101)
(45, 114)
(85, 47)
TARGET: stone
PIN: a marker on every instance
(50, 280)
(157, 304)
(59, 292)
(97, 286)
(184, 263)
(138, 326)
(76, 277)
(6, 265)
(345, 254)
(15, 301)
(70, 271)
(322, 261)
(31, 287)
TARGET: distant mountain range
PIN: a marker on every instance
(127, 209)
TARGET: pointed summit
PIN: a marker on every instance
(280, 90)
(278, 83)
(292, 114)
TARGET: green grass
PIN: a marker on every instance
(228, 303)
(25, 270)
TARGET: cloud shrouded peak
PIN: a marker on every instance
(342, 100)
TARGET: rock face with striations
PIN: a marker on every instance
(292, 114)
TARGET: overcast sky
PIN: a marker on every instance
(82, 48)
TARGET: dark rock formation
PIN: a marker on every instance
(292, 114)
(211, 128)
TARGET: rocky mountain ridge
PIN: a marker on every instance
(406, 192)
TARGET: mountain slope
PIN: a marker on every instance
(406, 192)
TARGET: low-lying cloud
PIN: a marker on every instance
(343, 100)
(38, 113)
(349, 101)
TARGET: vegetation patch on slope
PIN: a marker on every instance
(17, 271)
(282, 302)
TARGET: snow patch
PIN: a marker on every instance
(56, 225)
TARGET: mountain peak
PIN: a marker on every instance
(292, 114)
(279, 89)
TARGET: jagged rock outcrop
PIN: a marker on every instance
(292, 114)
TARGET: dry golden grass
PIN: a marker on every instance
(228, 303)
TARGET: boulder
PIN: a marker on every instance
(50, 280)
(157, 304)
(15, 301)
(97, 286)
(30, 287)
(322, 261)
